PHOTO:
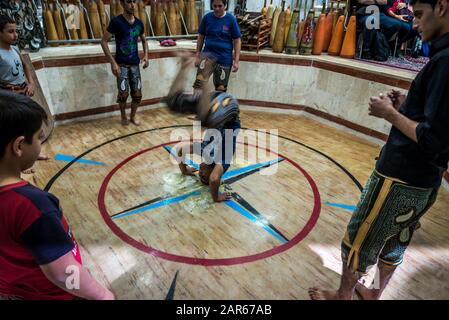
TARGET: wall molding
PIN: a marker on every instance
(257, 103)
(283, 60)
(295, 60)
(101, 110)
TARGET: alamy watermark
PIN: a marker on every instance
(373, 20)
(72, 281)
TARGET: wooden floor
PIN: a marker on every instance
(280, 239)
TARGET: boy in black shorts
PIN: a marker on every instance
(127, 29)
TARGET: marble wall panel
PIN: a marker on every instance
(77, 88)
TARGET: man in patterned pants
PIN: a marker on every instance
(410, 168)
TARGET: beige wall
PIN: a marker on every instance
(77, 88)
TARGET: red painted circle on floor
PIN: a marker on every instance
(203, 261)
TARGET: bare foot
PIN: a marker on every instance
(135, 122)
(42, 157)
(366, 294)
(125, 122)
(319, 294)
(28, 171)
(195, 118)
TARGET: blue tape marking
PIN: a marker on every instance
(236, 172)
(234, 205)
(62, 157)
(343, 206)
(158, 204)
(187, 161)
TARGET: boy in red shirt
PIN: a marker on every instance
(39, 257)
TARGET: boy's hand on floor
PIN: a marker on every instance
(190, 171)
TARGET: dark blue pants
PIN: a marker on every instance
(390, 26)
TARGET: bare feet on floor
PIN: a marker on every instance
(320, 294)
(39, 158)
(194, 118)
(135, 122)
(28, 171)
(365, 293)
